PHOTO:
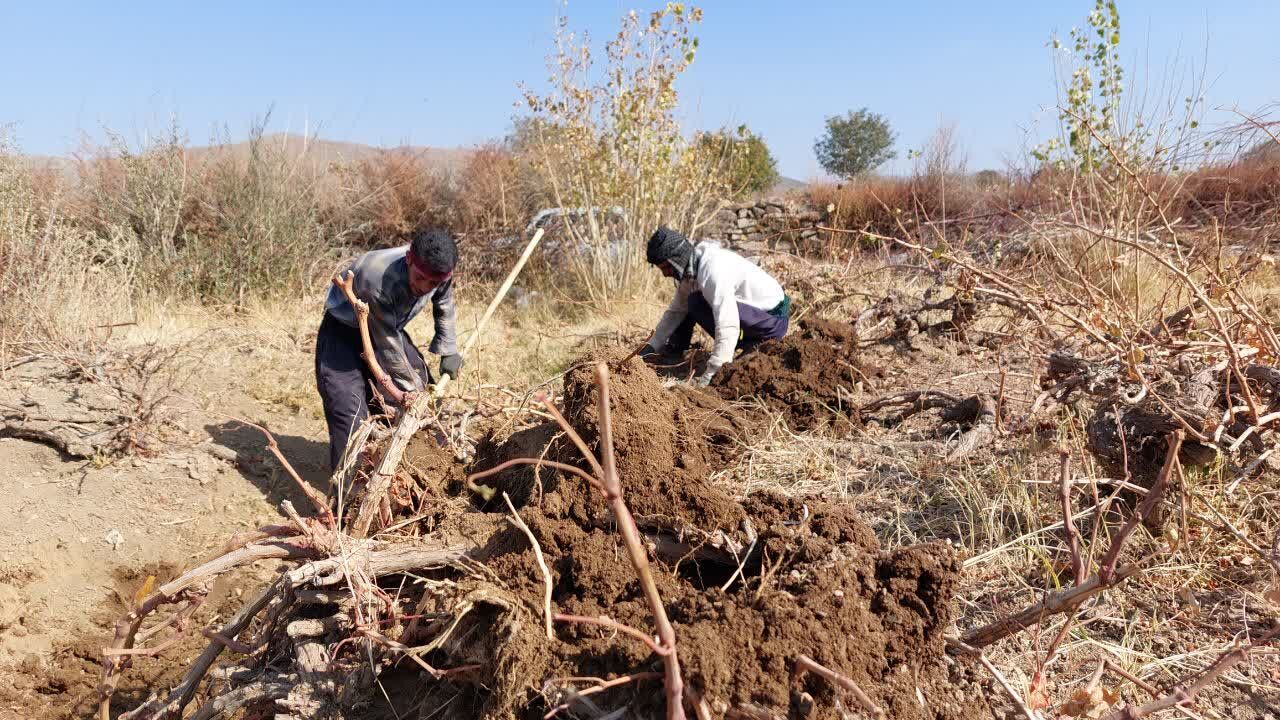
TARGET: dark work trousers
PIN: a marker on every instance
(756, 325)
(345, 383)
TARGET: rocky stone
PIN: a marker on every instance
(744, 212)
(808, 233)
(746, 222)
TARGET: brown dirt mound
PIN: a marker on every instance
(821, 588)
(809, 374)
(667, 441)
(813, 581)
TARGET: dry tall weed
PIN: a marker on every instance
(50, 267)
(383, 200)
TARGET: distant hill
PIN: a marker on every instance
(318, 153)
(323, 153)
(786, 185)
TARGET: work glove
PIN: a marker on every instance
(451, 365)
(648, 352)
(707, 375)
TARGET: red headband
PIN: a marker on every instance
(415, 261)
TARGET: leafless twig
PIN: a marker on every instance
(1069, 526)
(804, 664)
(1149, 503)
(542, 564)
(1008, 689)
(1186, 691)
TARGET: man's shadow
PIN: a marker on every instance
(255, 462)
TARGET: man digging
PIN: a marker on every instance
(728, 296)
(397, 283)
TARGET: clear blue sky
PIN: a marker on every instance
(445, 73)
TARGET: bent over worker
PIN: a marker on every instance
(397, 283)
(728, 296)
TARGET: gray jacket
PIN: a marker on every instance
(382, 281)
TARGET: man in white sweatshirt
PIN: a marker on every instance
(731, 298)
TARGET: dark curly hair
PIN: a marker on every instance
(436, 249)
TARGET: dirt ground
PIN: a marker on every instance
(81, 536)
(877, 544)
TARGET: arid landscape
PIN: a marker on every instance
(1015, 457)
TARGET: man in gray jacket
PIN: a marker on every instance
(397, 283)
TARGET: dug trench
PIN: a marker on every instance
(750, 586)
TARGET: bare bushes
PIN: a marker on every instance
(231, 223)
(161, 223)
(493, 192)
(1243, 190)
(48, 264)
(382, 200)
(258, 233)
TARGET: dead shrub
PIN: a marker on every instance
(872, 203)
(493, 194)
(49, 265)
(257, 231)
(384, 199)
(1243, 190)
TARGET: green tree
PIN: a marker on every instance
(752, 168)
(989, 178)
(855, 143)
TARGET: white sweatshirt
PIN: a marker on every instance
(725, 279)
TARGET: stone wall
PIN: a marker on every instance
(766, 225)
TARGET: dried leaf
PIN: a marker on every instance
(147, 586)
(1090, 704)
(1037, 695)
(1273, 595)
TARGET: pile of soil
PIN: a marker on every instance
(666, 443)
(810, 374)
(815, 580)
(749, 585)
